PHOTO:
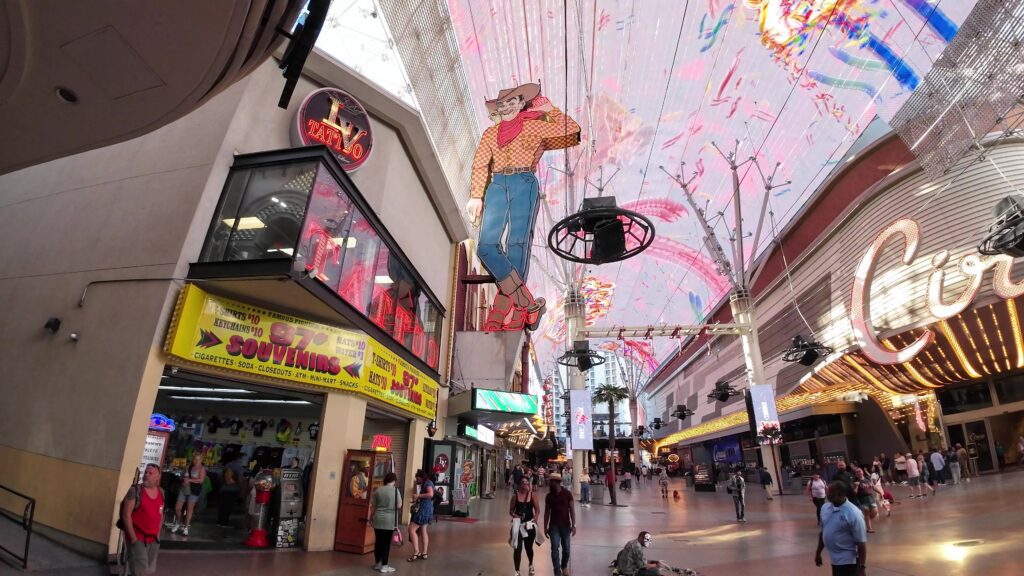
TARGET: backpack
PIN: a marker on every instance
(730, 486)
(138, 502)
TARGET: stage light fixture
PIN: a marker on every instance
(804, 352)
(597, 233)
(52, 324)
(723, 391)
(1006, 234)
(432, 428)
(656, 424)
(581, 357)
(682, 412)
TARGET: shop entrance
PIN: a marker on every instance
(236, 430)
(975, 437)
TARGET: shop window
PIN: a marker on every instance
(300, 210)
(1010, 389)
(261, 213)
(964, 398)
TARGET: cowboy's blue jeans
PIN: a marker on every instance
(510, 202)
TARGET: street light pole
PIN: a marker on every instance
(739, 274)
(576, 322)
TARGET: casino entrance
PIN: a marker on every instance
(249, 436)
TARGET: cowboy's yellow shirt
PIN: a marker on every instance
(552, 132)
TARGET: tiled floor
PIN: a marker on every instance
(695, 531)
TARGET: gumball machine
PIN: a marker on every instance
(258, 515)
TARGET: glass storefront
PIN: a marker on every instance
(303, 210)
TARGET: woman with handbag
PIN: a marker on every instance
(188, 496)
(384, 508)
(422, 515)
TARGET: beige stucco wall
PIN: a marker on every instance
(72, 423)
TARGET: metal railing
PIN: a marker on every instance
(26, 523)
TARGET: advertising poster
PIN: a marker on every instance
(762, 399)
(219, 332)
(727, 450)
(581, 420)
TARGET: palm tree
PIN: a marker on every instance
(612, 395)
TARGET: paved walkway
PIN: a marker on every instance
(697, 532)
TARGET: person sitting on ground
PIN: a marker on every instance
(631, 560)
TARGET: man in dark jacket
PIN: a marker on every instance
(843, 475)
(766, 481)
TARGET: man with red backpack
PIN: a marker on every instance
(142, 512)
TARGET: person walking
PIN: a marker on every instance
(524, 510)
(938, 462)
(142, 510)
(559, 523)
(663, 482)
(965, 464)
(585, 488)
(913, 476)
(953, 466)
(737, 486)
(843, 475)
(817, 490)
(384, 507)
(886, 468)
(844, 534)
(188, 496)
(865, 497)
(422, 515)
(900, 463)
(766, 481)
(230, 490)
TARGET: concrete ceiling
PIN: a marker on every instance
(132, 67)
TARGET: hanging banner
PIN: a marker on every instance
(581, 420)
(235, 336)
(762, 400)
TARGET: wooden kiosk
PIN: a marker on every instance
(363, 473)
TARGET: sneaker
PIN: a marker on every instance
(531, 570)
(376, 567)
(172, 525)
(184, 531)
(386, 569)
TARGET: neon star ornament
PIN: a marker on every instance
(505, 195)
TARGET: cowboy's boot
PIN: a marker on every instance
(522, 297)
(499, 311)
(518, 320)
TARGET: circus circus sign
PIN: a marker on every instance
(941, 306)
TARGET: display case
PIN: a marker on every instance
(364, 472)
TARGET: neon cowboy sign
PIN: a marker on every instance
(972, 266)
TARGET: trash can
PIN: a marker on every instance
(597, 493)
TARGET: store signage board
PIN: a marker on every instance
(485, 435)
(507, 402)
(335, 119)
(234, 336)
(153, 451)
(581, 420)
(762, 398)
(940, 305)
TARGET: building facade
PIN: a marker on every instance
(237, 277)
(883, 267)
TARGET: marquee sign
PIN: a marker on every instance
(332, 117)
(971, 266)
(219, 332)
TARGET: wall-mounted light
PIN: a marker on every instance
(432, 428)
(52, 324)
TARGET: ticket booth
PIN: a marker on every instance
(364, 473)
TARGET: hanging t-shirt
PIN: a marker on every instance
(236, 426)
(298, 430)
(258, 427)
(212, 424)
(314, 430)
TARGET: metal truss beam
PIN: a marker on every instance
(621, 332)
